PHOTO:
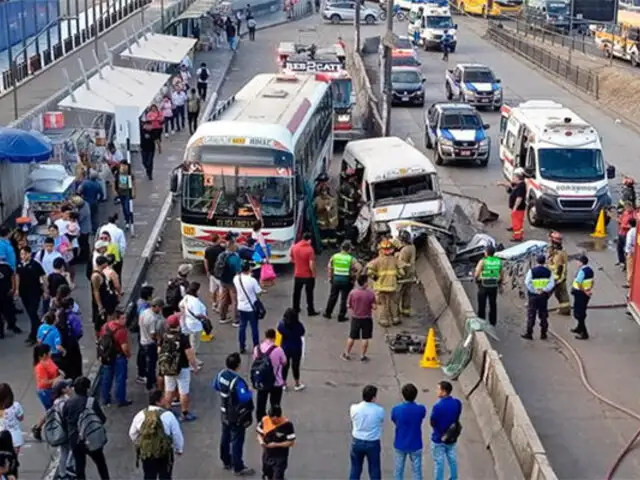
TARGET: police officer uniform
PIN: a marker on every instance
(539, 282)
(489, 277)
(581, 291)
(341, 266)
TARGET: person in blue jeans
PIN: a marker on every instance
(408, 417)
(445, 415)
(367, 419)
(247, 290)
(116, 370)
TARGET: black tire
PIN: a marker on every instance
(484, 163)
(335, 19)
(532, 217)
(383, 15)
(634, 61)
(438, 160)
(400, 16)
(369, 19)
(453, 50)
(449, 92)
(427, 142)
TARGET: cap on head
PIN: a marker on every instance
(173, 321)
(60, 386)
(541, 259)
(157, 302)
(185, 269)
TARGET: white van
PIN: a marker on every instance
(397, 181)
(432, 21)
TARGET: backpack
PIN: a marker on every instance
(131, 316)
(220, 266)
(169, 355)
(91, 430)
(262, 375)
(173, 295)
(107, 347)
(53, 431)
(203, 76)
(152, 440)
(238, 414)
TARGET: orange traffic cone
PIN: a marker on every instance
(430, 357)
(601, 229)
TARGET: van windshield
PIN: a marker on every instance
(439, 22)
(411, 189)
(571, 164)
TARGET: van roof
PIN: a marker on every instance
(539, 114)
(376, 154)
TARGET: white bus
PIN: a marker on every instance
(255, 160)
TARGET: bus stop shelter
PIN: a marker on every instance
(159, 49)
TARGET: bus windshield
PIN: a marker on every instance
(411, 189)
(341, 91)
(439, 22)
(571, 164)
(558, 9)
(248, 193)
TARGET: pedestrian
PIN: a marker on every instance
(629, 249)
(47, 254)
(326, 210)
(249, 306)
(303, 257)
(177, 288)
(31, 288)
(185, 74)
(227, 266)
(151, 325)
(11, 417)
(266, 373)
(103, 296)
(114, 353)
(193, 110)
(49, 334)
(236, 405)
(166, 110)
(489, 277)
(99, 250)
(61, 243)
(117, 236)
(147, 148)
(623, 227)
(58, 277)
(231, 34)
(7, 293)
(408, 417)
(125, 190)
(367, 420)
(46, 374)
(113, 156)
(84, 221)
(203, 74)
(156, 118)
(92, 193)
(61, 392)
(112, 276)
(361, 303)
(342, 269)
(80, 411)
(539, 282)
(211, 254)
(446, 428)
(239, 22)
(137, 309)
(179, 99)
(582, 289)
(9, 463)
(194, 313)
(69, 325)
(251, 25)
(113, 250)
(276, 435)
(292, 332)
(157, 437)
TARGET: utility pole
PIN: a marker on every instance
(162, 16)
(388, 49)
(357, 27)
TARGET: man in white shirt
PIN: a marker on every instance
(367, 420)
(151, 323)
(47, 255)
(116, 234)
(193, 312)
(247, 289)
(63, 222)
(179, 99)
(157, 464)
(629, 248)
(203, 74)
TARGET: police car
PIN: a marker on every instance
(456, 133)
(473, 84)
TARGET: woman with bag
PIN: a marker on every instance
(250, 308)
(292, 332)
(194, 316)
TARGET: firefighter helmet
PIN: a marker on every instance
(628, 181)
(385, 245)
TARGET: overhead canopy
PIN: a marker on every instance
(20, 146)
(160, 48)
(198, 9)
(116, 86)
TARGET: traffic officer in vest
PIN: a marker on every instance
(385, 270)
(343, 269)
(539, 282)
(407, 258)
(581, 290)
(489, 277)
(327, 216)
(558, 260)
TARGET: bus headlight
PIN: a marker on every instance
(194, 244)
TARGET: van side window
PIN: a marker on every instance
(531, 159)
(367, 195)
(510, 142)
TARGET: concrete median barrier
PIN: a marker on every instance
(507, 431)
(371, 121)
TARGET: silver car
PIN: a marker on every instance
(341, 11)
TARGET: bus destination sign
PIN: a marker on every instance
(230, 140)
(314, 66)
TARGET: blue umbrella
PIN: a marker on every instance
(19, 146)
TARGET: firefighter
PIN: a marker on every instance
(627, 193)
(348, 205)
(489, 277)
(384, 270)
(558, 260)
(322, 181)
(539, 283)
(407, 258)
(581, 290)
(327, 216)
(343, 269)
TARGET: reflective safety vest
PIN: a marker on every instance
(341, 264)
(385, 270)
(540, 277)
(587, 282)
(491, 268)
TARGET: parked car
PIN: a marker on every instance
(338, 12)
(407, 86)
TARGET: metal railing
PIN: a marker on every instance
(542, 32)
(584, 79)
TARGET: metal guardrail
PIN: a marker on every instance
(585, 80)
(543, 33)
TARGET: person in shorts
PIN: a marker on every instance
(211, 254)
(361, 303)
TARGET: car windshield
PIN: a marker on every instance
(558, 9)
(417, 186)
(571, 164)
(478, 76)
(402, 43)
(439, 22)
(404, 61)
(341, 92)
(460, 121)
(405, 77)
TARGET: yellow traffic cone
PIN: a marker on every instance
(278, 339)
(430, 357)
(601, 229)
(206, 338)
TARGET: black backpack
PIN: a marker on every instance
(107, 346)
(204, 75)
(131, 316)
(173, 295)
(221, 265)
(262, 375)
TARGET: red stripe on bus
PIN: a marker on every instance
(297, 118)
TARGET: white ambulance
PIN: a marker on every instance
(432, 21)
(561, 155)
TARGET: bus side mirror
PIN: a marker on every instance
(486, 126)
(498, 80)
(611, 172)
(174, 182)
(455, 26)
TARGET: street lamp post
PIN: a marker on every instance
(388, 49)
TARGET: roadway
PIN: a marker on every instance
(581, 436)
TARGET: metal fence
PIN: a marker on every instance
(584, 79)
(542, 33)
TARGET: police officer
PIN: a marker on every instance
(539, 282)
(489, 277)
(343, 268)
(558, 260)
(581, 290)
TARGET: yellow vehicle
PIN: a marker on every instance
(489, 8)
(619, 41)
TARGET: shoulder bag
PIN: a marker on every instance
(258, 306)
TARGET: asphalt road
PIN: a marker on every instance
(581, 436)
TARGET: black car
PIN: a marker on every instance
(407, 86)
